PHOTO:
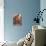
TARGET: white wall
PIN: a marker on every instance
(43, 6)
(1, 21)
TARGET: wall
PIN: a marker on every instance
(1, 21)
(27, 8)
(43, 6)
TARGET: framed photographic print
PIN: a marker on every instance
(17, 20)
